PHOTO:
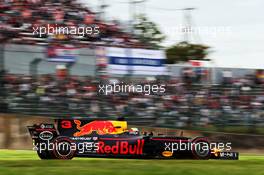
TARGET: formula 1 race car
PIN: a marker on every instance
(69, 138)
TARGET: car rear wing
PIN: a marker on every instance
(42, 132)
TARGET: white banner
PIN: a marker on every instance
(128, 61)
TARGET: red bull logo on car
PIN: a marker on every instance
(121, 147)
(100, 127)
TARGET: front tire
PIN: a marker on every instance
(201, 148)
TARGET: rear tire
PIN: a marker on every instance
(44, 155)
(43, 151)
(63, 152)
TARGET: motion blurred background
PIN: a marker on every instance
(224, 103)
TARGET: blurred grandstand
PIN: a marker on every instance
(188, 102)
(183, 105)
(19, 17)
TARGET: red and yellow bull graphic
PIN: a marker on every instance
(100, 127)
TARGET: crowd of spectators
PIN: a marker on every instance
(199, 75)
(181, 105)
(18, 18)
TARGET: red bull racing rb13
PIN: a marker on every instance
(81, 138)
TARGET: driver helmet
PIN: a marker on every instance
(134, 131)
